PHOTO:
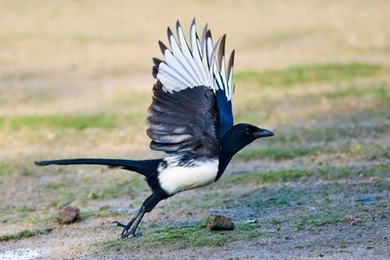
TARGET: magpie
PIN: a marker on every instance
(190, 119)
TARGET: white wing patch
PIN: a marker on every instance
(194, 64)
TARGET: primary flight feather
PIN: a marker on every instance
(190, 119)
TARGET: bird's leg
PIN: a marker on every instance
(126, 227)
(133, 227)
(147, 206)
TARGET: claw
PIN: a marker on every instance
(125, 233)
(119, 224)
(129, 234)
(131, 227)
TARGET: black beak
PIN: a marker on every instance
(263, 133)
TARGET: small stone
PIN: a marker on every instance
(68, 215)
(251, 221)
(351, 220)
(219, 222)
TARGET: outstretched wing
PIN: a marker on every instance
(185, 114)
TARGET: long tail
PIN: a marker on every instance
(144, 167)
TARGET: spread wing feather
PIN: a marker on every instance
(183, 121)
(191, 107)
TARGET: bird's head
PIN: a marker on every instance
(241, 135)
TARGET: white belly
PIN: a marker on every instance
(174, 178)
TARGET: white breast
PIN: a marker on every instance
(174, 178)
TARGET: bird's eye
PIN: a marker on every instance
(247, 131)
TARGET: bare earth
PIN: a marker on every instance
(75, 81)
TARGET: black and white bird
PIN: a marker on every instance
(190, 119)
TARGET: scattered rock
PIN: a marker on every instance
(251, 221)
(219, 222)
(351, 220)
(68, 215)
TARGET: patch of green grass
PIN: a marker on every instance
(301, 74)
(11, 214)
(117, 190)
(280, 198)
(284, 175)
(70, 189)
(383, 183)
(320, 219)
(101, 213)
(25, 234)
(33, 216)
(294, 174)
(276, 221)
(330, 190)
(298, 141)
(48, 216)
(367, 150)
(57, 185)
(327, 134)
(376, 91)
(283, 150)
(276, 153)
(185, 237)
(208, 200)
(76, 122)
(6, 168)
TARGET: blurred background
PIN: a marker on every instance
(75, 80)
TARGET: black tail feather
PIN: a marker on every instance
(144, 167)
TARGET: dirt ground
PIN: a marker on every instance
(75, 80)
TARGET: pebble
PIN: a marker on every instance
(68, 215)
(218, 223)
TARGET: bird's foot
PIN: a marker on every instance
(126, 233)
(131, 234)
